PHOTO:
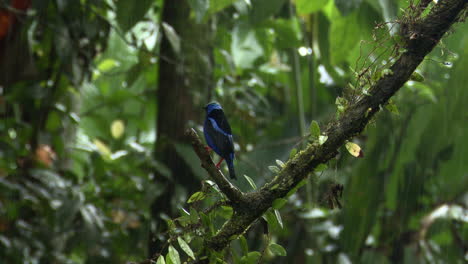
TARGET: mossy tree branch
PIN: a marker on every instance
(421, 36)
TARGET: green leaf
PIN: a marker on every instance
(288, 32)
(174, 255)
(299, 185)
(251, 182)
(172, 37)
(243, 244)
(347, 6)
(292, 153)
(274, 169)
(131, 12)
(199, 7)
(218, 5)
(305, 7)
(251, 258)
(245, 47)
(194, 216)
(185, 247)
(280, 163)
(198, 196)
(391, 106)
(278, 203)
(277, 249)
(54, 121)
(314, 130)
(344, 35)
(423, 90)
(224, 212)
(161, 260)
(278, 218)
(107, 65)
(263, 9)
(341, 104)
(417, 77)
(321, 167)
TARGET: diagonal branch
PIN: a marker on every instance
(233, 193)
(421, 37)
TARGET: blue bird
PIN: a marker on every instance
(218, 135)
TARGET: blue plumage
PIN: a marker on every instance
(218, 135)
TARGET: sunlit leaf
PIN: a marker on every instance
(274, 169)
(161, 260)
(314, 129)
(277, 249)
(251, 182)
(354, 149)
(278, 218)
(278, 203)
(103, 149)
(322, 139)
(172, 37)
(185, 247)
(174, 255)
(107, 65)
(280, 163)
(117, 128)
(198, 196)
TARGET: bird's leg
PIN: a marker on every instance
(219, 163)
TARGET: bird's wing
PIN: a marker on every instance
(221, 120)
(221, 139)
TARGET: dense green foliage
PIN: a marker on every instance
(78, 133)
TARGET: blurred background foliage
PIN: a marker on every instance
(81, 173)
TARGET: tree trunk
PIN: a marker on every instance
(182, 76)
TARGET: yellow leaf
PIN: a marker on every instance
(354, 149)
(103, 148)
(117, 128)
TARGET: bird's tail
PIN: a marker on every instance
(232, 173)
